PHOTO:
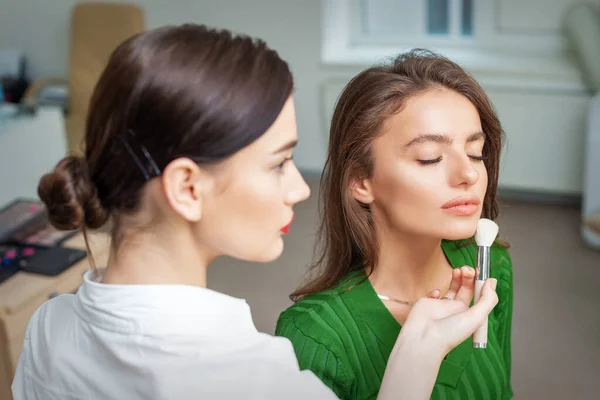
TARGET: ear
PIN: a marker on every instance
(361, 190)
(184, 184)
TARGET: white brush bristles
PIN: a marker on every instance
(486, 233)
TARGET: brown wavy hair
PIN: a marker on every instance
(346, 238)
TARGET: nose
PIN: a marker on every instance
(298, 188)
(464, 172)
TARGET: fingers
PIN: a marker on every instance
(467, 287)
(488, 299)
(454, 284)
(434, 294)
(434, 309)
(461, 325)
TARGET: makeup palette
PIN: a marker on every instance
(25, 221)
(16, 215)
(36, 259)
(28, 242)
(8, 262)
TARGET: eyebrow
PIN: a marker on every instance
(289, 145)
(441, 138)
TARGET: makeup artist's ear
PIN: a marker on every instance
(184, 184)
(361, 190)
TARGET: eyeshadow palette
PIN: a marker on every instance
(28, 242)
(36, 259)
(8, 262)
(17, 215)
(25, 221)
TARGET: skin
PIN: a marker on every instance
(428, 154)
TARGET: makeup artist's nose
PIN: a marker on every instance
(298, 188)
(464, 172)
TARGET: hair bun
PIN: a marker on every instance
(70, 196)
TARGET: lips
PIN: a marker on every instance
(286, 228)
(463, 205)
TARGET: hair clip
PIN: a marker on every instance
(149, 169)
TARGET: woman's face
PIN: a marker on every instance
(429, 179)
(250, 207)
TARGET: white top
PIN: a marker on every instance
(155, 342)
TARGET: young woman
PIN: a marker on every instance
(413, 164)
(188, 151)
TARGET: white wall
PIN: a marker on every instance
(545, 127)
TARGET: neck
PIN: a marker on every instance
(169, 257)
(409, 267)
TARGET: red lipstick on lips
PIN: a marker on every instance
(286, 228)
(463, 205)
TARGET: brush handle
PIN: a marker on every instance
(481, 334)
(483, 263)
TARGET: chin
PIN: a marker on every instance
(267, 253)
(459, 230)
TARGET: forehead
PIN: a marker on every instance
(251, 160)
(281, 131)
(435, 111)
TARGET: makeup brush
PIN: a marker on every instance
(486, 233)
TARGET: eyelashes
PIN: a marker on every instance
(478, 158)
(429, 162)
(437, 160)
(279, 167)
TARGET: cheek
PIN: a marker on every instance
(408, 186)
(246, 218)
(406, 198)
(483, 181)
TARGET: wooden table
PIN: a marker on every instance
(23, 293)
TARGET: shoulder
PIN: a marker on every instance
(52, 313)
(322, 317)
(317, 327)
(327, 306)
(47, 324)
(314, 317)
(51, 322)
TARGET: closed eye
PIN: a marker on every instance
(430, 162)
(437, 160)
(478, 158)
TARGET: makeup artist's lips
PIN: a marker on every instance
(463, 205)
(286, 228)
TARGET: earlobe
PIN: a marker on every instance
(182, 182)
(361, 190)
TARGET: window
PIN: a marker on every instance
(496, 36)
(420, 18)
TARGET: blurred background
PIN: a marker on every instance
(539, 61)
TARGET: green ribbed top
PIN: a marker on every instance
(346, 337)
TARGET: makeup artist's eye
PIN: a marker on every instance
(279, 167)
(430, 162)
